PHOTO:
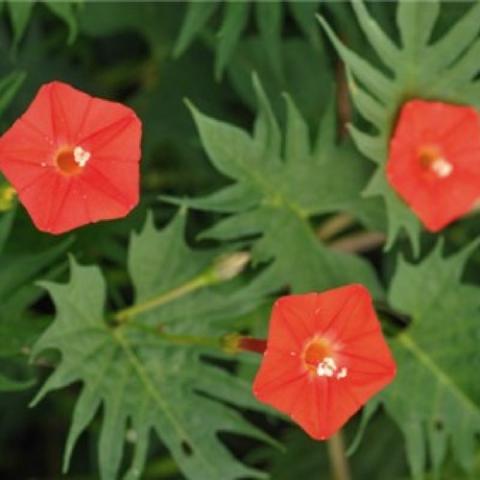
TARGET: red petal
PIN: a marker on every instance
(104, 199)
(345, 318)
(61, 117)
(292, 322)
(311, 409)
(343, 311)
(455, 131)
(278, 380)
(39, 197)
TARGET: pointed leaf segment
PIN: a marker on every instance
(443, 69)
(136, 373)
(438, 354)
(266, 205)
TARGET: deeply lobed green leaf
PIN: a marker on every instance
(269, 18)
(281, 179)
(435, 398)
(444, 70)
(143, 382)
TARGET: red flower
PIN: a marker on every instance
(325, 357)
(434, 160)
(73, 158)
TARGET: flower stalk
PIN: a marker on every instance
(224, 268)
(189, 340)
(334, 225)
(231, 343)
(338, 459)
(127, 314)
(235, 343)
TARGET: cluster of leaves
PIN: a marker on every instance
(421, 66)
(269, 17)
(265, 200)
(18, 272)
(279, 187)
(21, 12)
(143, 379)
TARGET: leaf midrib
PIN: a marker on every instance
(152, 391)
(407, 342)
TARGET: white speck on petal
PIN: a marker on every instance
(328, 368)
(441, 167)
(81, 156)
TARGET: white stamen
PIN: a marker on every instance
(328, 368)
(81, 156)
(441, 167)
(330, 362)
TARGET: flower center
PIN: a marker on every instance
(318, 359)
(71, 161)
(432, 160)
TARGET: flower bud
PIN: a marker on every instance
(230, 265)
(7, 197)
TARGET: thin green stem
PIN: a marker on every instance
(127, 314)
(338, 459)
(212, 342)
(358, 242)
(334, 225)
(223, 268)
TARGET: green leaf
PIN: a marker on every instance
(18, 272)
(415, 35)
(266, 199)
(197, 16)
(6, 222)
(270, 18)
(67, 12)
(9, 86)
(235, 21)
(18, 328)
(304, 15)
(143, 381)
(378, 458)
(20, 13)
(306, 75)
(445, 70)
(9, 385)
(435, 398)
(383, 45)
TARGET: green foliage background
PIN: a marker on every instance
(266, 128)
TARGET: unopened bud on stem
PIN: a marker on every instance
(7, 196)
(234, 343)
(230, 265)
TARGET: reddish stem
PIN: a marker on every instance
(252, 344)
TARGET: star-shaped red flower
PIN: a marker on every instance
(434, 160)
(73, 158)
(325, 357)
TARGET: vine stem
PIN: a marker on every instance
(334, 225)
(124, 315)
(212, 342)
(223, 268)
(358, 242)
(338, 459)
